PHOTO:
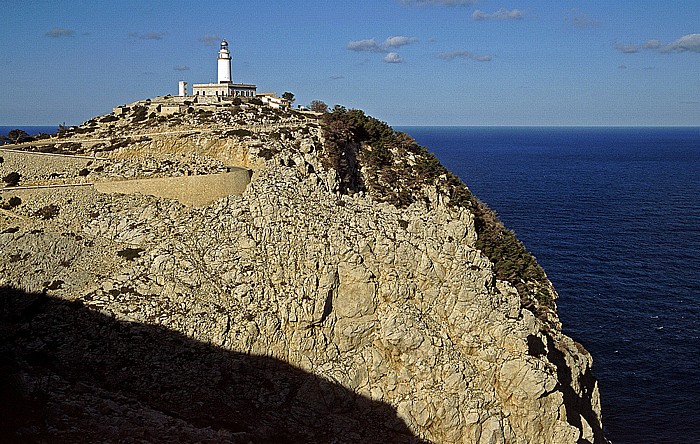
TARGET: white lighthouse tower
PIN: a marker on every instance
(224, 63)
(224, 87)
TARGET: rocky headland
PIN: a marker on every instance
(293, 277)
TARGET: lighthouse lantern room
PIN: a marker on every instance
(224, 63)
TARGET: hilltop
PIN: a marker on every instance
(342, 284)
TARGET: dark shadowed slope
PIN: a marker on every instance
(69, 374)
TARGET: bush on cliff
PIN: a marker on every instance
(11, 203)
(368, 155)
(12, 179)
(139, 113)
(47, 212)
(19, 136)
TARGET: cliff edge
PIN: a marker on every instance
(346, 288)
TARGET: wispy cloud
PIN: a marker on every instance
(501, 14)
(391, 43)
(60, 32)
(687, 43)
(147, 35)
(367, 45)
(393, 57)
(579, 19)
(181, 68)
(452, 55)
(210, 39)
(371, 45)
(627, 49)
(438, 2)
(399, 40)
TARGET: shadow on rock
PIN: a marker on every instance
(70, 374)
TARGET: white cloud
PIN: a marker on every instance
(147, 35)
(452, 55)
(501, 14)
(60, 32)
(687, 43)
(367, 45)
(398, 41)
(393, 57)
(371, 45)
(690, 42)
(210, 39)
(438, 2)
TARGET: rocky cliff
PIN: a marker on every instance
(354, 292)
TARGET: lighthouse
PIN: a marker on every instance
(224, 63)
(224, 87)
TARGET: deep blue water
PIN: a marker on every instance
(613, 216)
(31, 130)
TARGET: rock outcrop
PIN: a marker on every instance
(307, 309)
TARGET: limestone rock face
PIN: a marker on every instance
(383, 307)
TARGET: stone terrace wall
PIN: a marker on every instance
(41, 166)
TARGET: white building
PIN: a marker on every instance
(271, 100)
(225, 88)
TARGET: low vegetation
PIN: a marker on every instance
(11, 203)
(47, 212)
(12, 179)
(130, 253)
(368, 155)
(18, 136)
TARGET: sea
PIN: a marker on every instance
(613, 216)
(31, 130)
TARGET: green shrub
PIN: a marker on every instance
(139, 113)
(12, 179)
(47, 212)
(11, 203)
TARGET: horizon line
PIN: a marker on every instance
(552, 126)
(575, 125)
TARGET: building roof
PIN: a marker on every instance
(223, 85)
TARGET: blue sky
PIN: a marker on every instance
(408, 62)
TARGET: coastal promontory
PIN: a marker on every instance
(177, 271)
